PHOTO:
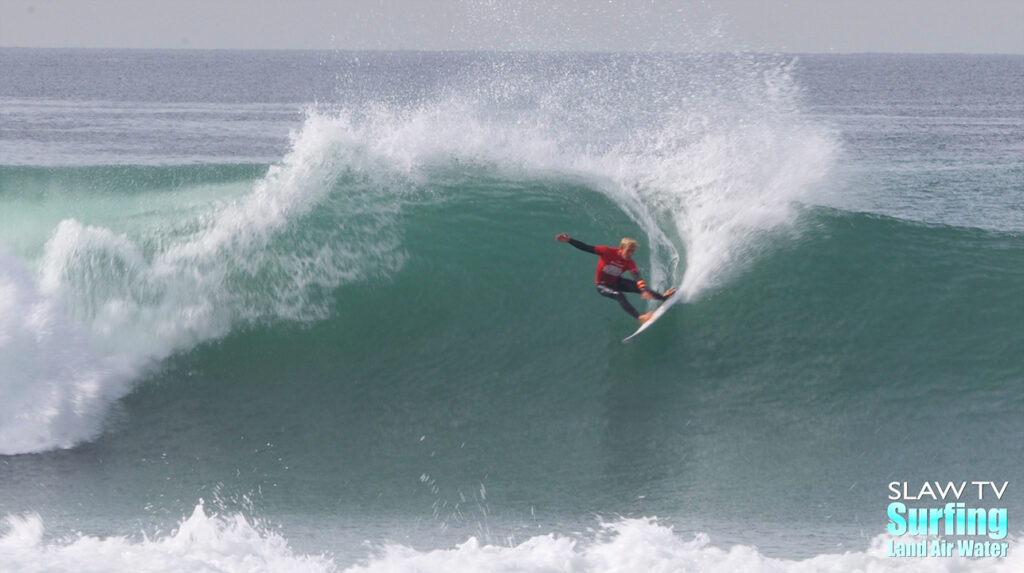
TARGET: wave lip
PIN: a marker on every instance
(101, 306)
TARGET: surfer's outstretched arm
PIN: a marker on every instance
(564, 238)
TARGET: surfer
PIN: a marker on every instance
(609, 279)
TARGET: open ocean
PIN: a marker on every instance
(304, 311)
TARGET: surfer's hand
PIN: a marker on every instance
(563, 238)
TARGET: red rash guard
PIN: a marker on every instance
(611, 266)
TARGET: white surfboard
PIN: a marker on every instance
(657, 314)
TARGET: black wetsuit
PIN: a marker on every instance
(622, 284)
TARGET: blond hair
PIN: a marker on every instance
(627, 242)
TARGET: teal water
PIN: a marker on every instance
(374, 336)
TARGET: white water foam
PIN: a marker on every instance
(201, 543)
(634, 545)
(55, 384)
(228, 543)
(102, 306)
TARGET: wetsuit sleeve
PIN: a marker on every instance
(581, 245)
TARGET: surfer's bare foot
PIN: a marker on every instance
(645, 316)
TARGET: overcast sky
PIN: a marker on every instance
(967, 26)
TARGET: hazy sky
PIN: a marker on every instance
(970, 26)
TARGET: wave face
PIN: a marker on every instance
(158, 259)
(424, 318)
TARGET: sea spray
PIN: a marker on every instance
(707, 153)
(726, 166)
